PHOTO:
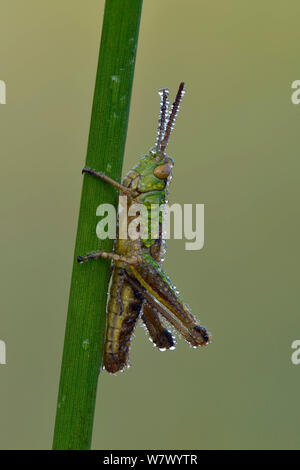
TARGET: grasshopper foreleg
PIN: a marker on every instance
(107, 179)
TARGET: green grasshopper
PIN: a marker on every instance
(139, 286)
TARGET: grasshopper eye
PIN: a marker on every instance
(163, 171)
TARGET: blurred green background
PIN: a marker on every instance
(236, 149)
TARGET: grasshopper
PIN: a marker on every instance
(139, 287)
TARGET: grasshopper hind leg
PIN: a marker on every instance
(189, 328)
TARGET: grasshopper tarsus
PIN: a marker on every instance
(85, 169)
(89, 171)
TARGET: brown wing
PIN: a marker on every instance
(159, 334)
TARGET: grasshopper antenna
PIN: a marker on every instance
(163, 114)
(172, 117)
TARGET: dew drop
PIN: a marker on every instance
(161, 91)
(115, 78)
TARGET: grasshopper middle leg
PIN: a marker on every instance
(133, 260)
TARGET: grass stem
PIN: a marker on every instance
(86, 319)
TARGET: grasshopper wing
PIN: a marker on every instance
(159, 334)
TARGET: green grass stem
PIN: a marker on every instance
(86, 319)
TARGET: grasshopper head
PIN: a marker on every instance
(155, 170)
